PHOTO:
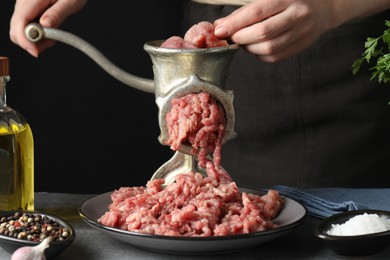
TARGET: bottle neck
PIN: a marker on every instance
(3, 95)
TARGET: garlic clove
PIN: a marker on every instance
(32, 252)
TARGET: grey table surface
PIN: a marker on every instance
(91, 244)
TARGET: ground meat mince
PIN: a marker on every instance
(197, 120)
(192, 206)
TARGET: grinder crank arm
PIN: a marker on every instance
(35, 33)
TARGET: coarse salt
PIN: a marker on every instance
(361, 225)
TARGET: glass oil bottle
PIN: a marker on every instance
(16, 153)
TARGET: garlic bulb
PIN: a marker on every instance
(32, 252)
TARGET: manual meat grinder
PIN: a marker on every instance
(177, 72)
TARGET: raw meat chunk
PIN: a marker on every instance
(200, 35)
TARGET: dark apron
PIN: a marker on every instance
(307, 121)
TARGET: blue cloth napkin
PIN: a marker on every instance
(325, 202)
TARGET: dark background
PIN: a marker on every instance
(92, 133)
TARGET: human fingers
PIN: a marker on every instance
(264, 30)
(59, 11)
(247, 15)
(53, 14)
(24, 12)
(270, 37)
(277, 49)
(287, 32)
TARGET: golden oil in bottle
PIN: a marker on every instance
(16, 153)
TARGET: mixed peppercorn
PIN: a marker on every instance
(32, 226)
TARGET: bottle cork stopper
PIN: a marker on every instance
(4, 66)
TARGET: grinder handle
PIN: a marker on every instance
(35, 33)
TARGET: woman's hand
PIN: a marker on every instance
(276, 29)
(51, 13)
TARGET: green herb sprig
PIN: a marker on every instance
(376, 49)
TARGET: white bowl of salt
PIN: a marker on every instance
(356, 233)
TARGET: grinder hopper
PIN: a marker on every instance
(177, 72)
